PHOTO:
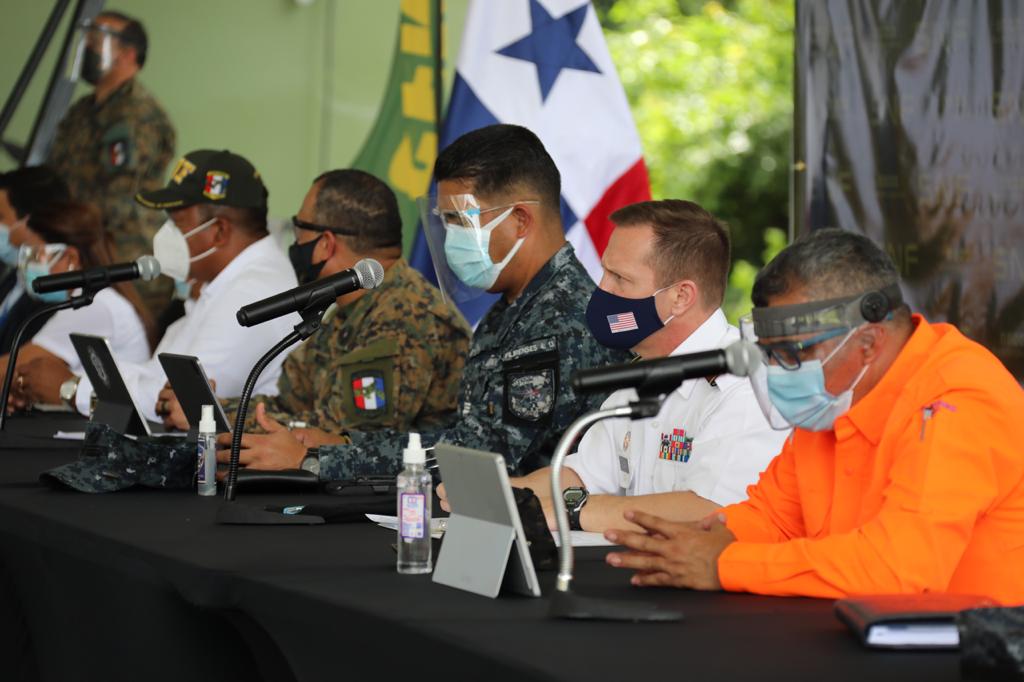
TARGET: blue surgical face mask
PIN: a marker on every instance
(467, 250)
(619, 322)
(800, 395)
(8, 252)
(182, 289)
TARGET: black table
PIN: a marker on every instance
(143, 584)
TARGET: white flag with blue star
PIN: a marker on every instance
(544, 64)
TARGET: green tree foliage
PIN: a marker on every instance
(710, 86)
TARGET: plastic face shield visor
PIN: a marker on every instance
(787, 335)
(460, 217)
(98, 38)
(29, 257)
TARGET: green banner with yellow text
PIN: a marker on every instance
(402, 146)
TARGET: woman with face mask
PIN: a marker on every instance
(64, 237)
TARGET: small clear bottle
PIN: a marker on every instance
(415, 554)
(206, 454)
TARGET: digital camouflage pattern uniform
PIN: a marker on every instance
(392, 359)
(110, 461)
(110, 152)
(515, 398)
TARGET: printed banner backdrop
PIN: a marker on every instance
(910, 129)
(544, 64)
(402, 146)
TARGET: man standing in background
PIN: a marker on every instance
(117, 141)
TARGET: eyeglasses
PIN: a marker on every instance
(787, 353)
(458, 216)
(303, 225)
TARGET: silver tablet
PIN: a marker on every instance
(484, 546)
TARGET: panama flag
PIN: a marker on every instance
(544, 64)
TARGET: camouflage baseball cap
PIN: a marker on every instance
(206, 176)
(110, 461)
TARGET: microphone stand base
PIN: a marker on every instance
(569, 606)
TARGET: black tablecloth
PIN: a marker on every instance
(143, 584)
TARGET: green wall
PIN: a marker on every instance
(253, 76)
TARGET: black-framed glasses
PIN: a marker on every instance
(787, 353)
(303, 225)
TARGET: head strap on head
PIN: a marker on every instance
(833, 313)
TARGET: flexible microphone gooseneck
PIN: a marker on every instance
(12, 357)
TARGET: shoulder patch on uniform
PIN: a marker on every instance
(116, 147)
(368, 391)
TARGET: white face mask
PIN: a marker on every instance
(170, 247)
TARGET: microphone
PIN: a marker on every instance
(367, 274)
(94, 279)
(660, 376)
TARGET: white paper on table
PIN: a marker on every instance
(69, 435)
(437, 526)
(580, 538)
(927, 635)
(583, 538)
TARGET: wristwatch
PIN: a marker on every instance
(574, 499)
(311, 462)
(68, 390)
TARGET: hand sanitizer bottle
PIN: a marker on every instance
(206, 454)
(414, 502)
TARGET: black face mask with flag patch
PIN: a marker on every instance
(301, 257)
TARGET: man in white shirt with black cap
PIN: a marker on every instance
(665, 272)
(215, 235)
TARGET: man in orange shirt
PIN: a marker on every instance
(905, 470)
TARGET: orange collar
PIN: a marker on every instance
(871, 413)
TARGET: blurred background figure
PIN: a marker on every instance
(64, 237)
(117, 141)
(22, 192)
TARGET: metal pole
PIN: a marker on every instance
(34, 57)
(565, 556)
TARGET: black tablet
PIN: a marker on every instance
(192, 389)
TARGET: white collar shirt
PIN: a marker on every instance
(110, 315)
(210, 331)
(710, 437)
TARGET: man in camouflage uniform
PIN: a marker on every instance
(390, 358)
(117, 142)
(515, 397)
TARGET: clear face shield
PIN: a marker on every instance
(35, 262)
(790, 339)
(458, 232)
(94, 55)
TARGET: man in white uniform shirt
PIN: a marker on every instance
(665, 272)
(216, 235)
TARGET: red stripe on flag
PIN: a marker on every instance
(631, 187)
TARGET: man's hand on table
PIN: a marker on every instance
(277, 449)
(672, 554)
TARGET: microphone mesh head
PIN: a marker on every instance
(149, 267)
(370, 273)
(743, 358)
